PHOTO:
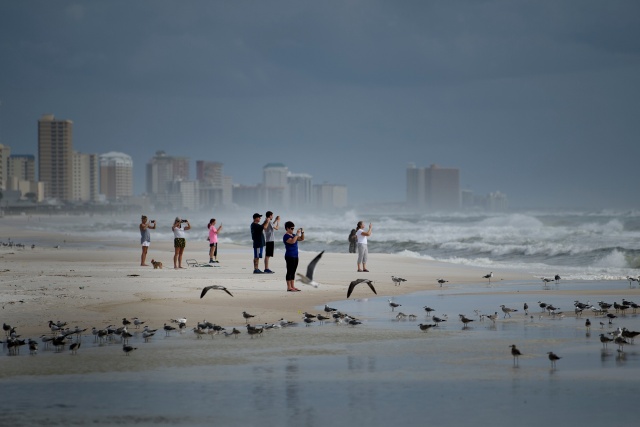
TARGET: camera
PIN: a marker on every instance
(153, 220)
(183, 220)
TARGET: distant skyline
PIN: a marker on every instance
(538, 100)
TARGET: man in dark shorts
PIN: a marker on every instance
(257, 235)
(269, 235)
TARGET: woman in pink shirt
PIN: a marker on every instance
(213, 241)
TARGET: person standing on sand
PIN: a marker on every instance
(179, 241)
(291, 253)
(353, 240)
(257, 236)
(213, 241)
(269, 238)
(363, 249)
(145, 238)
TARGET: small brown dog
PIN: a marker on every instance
(156, 264)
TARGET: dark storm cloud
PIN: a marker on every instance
(536, 99)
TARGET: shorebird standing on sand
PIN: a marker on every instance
(488, 276)
(605, 340)
(515, 353)
(247, 316)
(442, 282)
(393, 305)
(553, 358)
(465, 320)
(397, 280)
(507, 310)
(557, 278)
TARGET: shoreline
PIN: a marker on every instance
(102, 286)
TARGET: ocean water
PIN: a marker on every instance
(602, 245)
(382, 372)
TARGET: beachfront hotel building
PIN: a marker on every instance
(85, 187)
(55, 156)
(116, 176)
(433, 189)
(5, 152)
(275, 188)
(163, 170)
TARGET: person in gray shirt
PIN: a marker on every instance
(269, 237)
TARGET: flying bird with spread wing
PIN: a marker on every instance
(353, 284)
(308, 278)
(220, 287)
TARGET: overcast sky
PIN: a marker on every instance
(537, 99)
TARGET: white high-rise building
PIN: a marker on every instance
(116, 175)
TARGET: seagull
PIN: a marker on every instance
(168, 329)
(247, 316)
(425, 327)
(492, 317)
(464, 319)
(557, 278)
(393, 305)
(442, 282)
(438, 319)
(507, 310)
(546, 280)
(553, 358)
(605, 340)
(207, 288)
(526, 308)
(397, 280)
(329, 309)
(428, 310)
(128, 349)
(308, 279)
(488, 276)
(74, 347)
(137, 322)
(515, 353)
(587, 323)
(353, 284)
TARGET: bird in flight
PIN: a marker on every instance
(308, 278)
(353, 284)
(220, 287)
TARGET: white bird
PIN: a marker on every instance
(507, 310)
(397, 280)
(308, 278)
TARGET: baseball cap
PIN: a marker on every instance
(256, 215)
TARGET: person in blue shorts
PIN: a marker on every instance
(257, 235)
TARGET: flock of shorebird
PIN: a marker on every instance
(61, 336)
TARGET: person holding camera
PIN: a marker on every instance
(145, 238)
(213, 240)
(179, 241)
(291, 253)
(269, 237)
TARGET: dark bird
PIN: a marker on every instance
(308, 278)
(247, 316)
(605, 340)
(128, 349)
(207, 288)
(526, 308)
(611, 316)
(515, 353)
(465, 320)
(553, 358)
(442, 282)
(125, 322)
(557, 278)
(438, 319)
(488, 276)
(587, 323)
(74, 347)
(353, 284)
(168, 329)
(428, 310)
(426, 327)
